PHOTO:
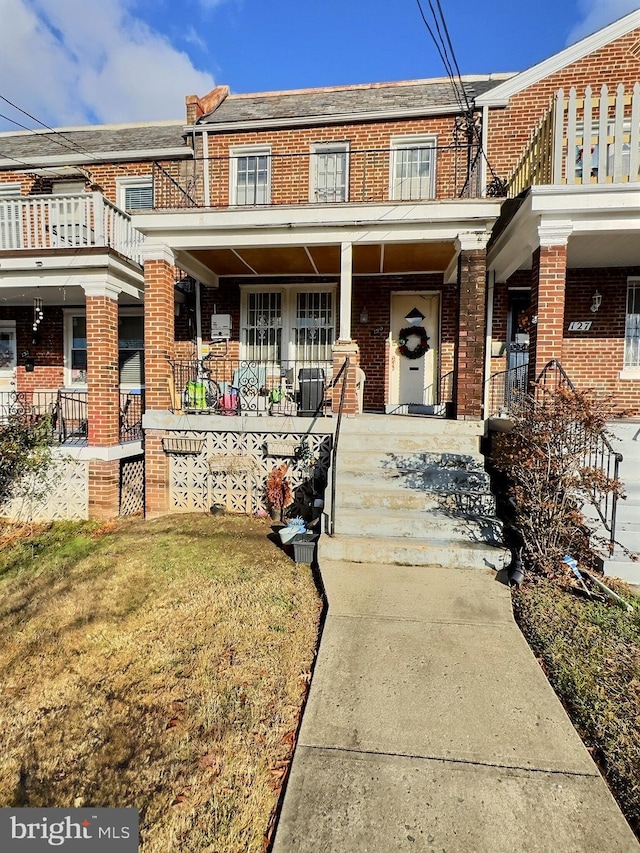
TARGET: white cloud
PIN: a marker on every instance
(83, 61)
(596, 14)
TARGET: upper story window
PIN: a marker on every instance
(329, 172)
(250, 176)
(632, 325)
(130, 348)
(135, 193)
(413, 162)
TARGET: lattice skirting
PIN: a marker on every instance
(132, 485)
(64, 496)
(232, 468)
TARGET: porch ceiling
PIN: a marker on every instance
(325, 260)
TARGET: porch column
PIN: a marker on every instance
(159, 326)
(159, 337)
(470, 350)
(343, 350)
(103, 383)
(548, 281)
(346, 286)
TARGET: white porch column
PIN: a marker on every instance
(346, 282)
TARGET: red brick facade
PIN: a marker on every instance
(103, 398)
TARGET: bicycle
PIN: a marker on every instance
(206, 394)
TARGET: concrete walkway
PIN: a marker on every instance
(431, 727)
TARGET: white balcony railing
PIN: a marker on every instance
(67, 221)
(591, 139)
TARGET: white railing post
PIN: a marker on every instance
(634, 138)
(558, 142)
(98, 219)
(572, 139)
(618, 135)
(603, 132)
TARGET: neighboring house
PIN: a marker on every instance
(314, 229)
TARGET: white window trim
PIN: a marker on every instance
(69, 314)
(629, 371)
(247, 151)
(289, 294)
(122, 184)
(338, 147)
(399, 143)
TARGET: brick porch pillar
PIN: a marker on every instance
(343, 350)
(548, 281)
(470, 350)
(103, 397)
(159, 336)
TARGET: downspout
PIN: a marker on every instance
(198, 321)
(206, 177)
(491, 276)
(484, 142)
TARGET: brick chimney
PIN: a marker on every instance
(198, 107)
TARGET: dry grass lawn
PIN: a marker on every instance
(155, 664)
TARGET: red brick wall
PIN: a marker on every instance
(548, 276)
(368, 172)
(159, 335)
(104, 489)
(102, 371)
(156, 472)
(510, 128)
(469, 362)
(47, 351)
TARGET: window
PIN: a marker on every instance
(135, 193)
(288, 325)
(632, 326)
(413, 168)
(130, 349)
(250, 176)
(329, 172)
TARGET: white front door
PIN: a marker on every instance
(414, 380)
(8, 363)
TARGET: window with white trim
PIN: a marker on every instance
(250, 176)
(135, 193)
(130, 349)
(632, 325)
(413, 165)
(330, 172)
(287, 324)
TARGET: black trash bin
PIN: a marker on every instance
(311, 394)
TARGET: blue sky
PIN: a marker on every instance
(71, 62)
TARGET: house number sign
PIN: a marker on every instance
(580, 325)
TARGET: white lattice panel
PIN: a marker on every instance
(67, 497)
(232, 468)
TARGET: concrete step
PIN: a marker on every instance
(357, 521)
(363, 459)
(395, 496)
(622, 567)
(411, 443)
(441, 552)
(434, 479)
(398, 425)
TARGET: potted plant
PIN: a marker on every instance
(279, 493)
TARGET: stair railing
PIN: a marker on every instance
(336, 437)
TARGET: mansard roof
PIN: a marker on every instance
(139, 141)
(411, 97)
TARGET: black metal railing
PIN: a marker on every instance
(357, 175)
(67, 413)
(336, 438)
(228, 386)
(595, 450)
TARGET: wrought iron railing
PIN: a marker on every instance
(67, 413)
(344, 369)
(357, 175)
(228, 386)
(597, 453)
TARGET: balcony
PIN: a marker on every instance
(594, 139)
(329, 175)
(77, 221)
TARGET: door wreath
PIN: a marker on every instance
(422, 346)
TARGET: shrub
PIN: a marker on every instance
(25, 457)
(551, 470)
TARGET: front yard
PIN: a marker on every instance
(154, 664)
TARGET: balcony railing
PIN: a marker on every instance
(67, 221)
(226, 386)
(593, 139)
(67, 413)
(417, 173)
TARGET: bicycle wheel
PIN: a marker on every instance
(211, 393)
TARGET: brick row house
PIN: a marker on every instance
(394, 248)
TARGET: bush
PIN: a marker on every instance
(551, 470)
(25, 457)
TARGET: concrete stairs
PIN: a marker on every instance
(413, 491)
